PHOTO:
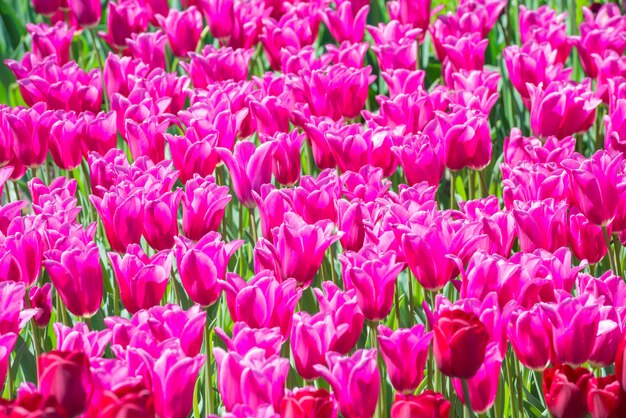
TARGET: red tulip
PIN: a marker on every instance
(427, 404)
(605, 398)
(565, 391)
(308, 403)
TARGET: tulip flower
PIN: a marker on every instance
(273, 205)
(51, 40)
(183, 30)
(251, 379)
(373, 276)
(346, 24)
(127, 400)
(402, 348)
(263, 301)
(543, 25)
(395, 45)
(271, 115)
(203, 206)
(403, 81)
(173, 379)
(250, 168)
(585, 239)
(80, 338)
(77, 275)
(565, 391)
(308, 403)
(124, 19)
(518, 148)
(160, 220)
(426, 404)
(7, 342)
(65, 141)
(203, 265)
(47, 7)
(343, 308)
(529, 338)
(22, 258)
(245, 339)
(29, 126)
(120, 213)
(598, 186)
(142, 280)
(311, 337)
(561, 108)
(286, 156)
(40, 298)
(460, 341)
(289, 31)
(417, 13)
(192, 154)
(315, 199)
(605, 397)
(297, 251)
(610, 329)
(86, 12)
(148, 47)
(422, 158)
(220, 17)
(65, 376)
(574, 325)
(541, 224)
(218, 64)
(355, 381)
(467, 139)
(351, 219)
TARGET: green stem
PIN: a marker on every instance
(472, 183)
(208, 343)
(616, 253)
(331, 260)
(252, 225)
(452, 189)
(607, 241)
(397, 302)
(467, 410)
(509, 378)
(374, 343)
(520, 383)
(96, 47)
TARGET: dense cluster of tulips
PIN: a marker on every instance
(314, 209)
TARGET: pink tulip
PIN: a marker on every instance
(21, 261)
(297, 250)
(100, 133)
(402, 348)
(220, 17)
(80, 338)
(183, 30)
(7, 342)
(528, 182)
(395, 45)
(316, 129)
(290, 30)
(40, 299)
(117, 72)
(203, 265)
(51, 40)
(346, 24)
(421, 157)
(541, 224)
(245, 339)
(148, 47)
(86, 12)
(220, 64)
(77, 275)
(311, 338)
(373, 275)
(598, 186)
(142, 280)
(251, 379)
(146, 138)
(343, 308)
(286, 156)
(271, 115)
(355, 381)
(273, 204)
(65, 140)
(351, 219)
(574, 326)
(124, 19)
(543, 25)
(47, 7)
(13, 316)
(534, 64)
(203, 206)
(585, 239)
(483, 386)
(29, 126)
(160, 221)
(403, 81)
(466, 52)
(518, 148)
(121, 212)
(610, 331)
(249, 167)
(315, 199)
(466, 138)
(263, 301)
(561, 108)
(414, 12)
(530, 337)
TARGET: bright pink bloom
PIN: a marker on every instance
(414, 12)
(160, 218)
(543, 25)
(405, 352)
(7, 342)
(218, 64)
(40, 299)
(100, 132)
(80, 338)
(51, 40)
(598, 186)
(403, 81)
(346, 24)
(142, 280)
(297, 250)
(273, 204)
(373, 276)
(518, 148)
(585, 239)
(124, 19)
(291, 30)
(466, 52)
(250, 168)
(47, 7)
(65, 141)
(541, 224)
(355, 381)
(562, 108)
(343, 308)
(148, 47)
(395, 45)
(271, 115)
(203, 206)
(530, 337)
(250, 379)
(311, 338)
(147, 138)
(13, 316)
(422, 158)
(203, 265)
(565, 391)
(263, 301)
(286, 156)
(466, 138)
(118, 71)
(21, 261)
(183, 30)
(610, 329)
(77, 275)
(121, 213)
(245, 339)
(86, 12)
(31, 126)
(351, 218)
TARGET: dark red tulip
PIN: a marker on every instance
(605, 398)
(620, 373)
(129, 401)
(565, 391)
(427, 404)
(308, 403)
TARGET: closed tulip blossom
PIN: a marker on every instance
(142, 280)
(250, 168)
(40, 299)
(585, 239)
(373, 276)
(286, 156)
(405, 352)
(346, 23)
(395, 45)
(203, 265)
(311, 338)
(355, 381)
(459, 343)
(245, 339)
(561, 108)
(121, 213)
(86, 12)
(7, 342)
(263, 301)
(529, 338)
(124, 19)
(204, 203)
(148, 47)
(51, 40)
(605, 397)
(541, 224)
(161, 218)
(466, 139)
(273, 205)
(250, 379)
(543, 25)
(308, 403)
(422, 158)
(426, 404)
(80, 338)
(183, 30)
(76, 273)
(565, 391)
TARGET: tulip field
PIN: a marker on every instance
(312, 209)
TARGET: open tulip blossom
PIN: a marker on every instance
(312, 209)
